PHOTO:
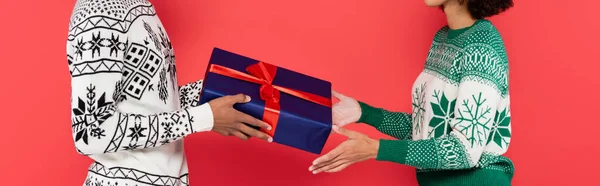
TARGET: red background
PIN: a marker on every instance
(371, 50)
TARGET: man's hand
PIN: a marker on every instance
(228, 121)
(346, 111)
(358, 147)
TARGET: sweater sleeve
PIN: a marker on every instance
(481, 87)
(395, 124)
(189, 94)
(96, 60)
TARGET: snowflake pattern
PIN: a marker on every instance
(98, 42)
(98, 182)
(163, 94)
(89, 115)
(418, 105)
(165, 141)
(501, 131)
(162, 43)
(174, 126)
(118, 95)
(473, 120)
(153, 36)
(131, 146)
(169, 55)
(97, 133)
(183, 91)
(189, 94)
(168, 130)
(443, 112)
(136, 132)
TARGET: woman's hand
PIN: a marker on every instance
(346, 111)
(357, 148)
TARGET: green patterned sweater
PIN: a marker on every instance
(460, 125)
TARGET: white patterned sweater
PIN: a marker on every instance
(128, 114)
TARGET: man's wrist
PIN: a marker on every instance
(202, 118)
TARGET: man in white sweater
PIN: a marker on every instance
(128, 114)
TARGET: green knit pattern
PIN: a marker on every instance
(460, 122)
(395, 124)
(475, 47)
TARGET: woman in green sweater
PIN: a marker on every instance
(460, 125)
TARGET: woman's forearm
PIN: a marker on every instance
(396, 124)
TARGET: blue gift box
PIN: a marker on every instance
(301, 124)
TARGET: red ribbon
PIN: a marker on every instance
(264, 74)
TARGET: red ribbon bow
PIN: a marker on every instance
(264, 74)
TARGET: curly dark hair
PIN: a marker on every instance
(486, 8)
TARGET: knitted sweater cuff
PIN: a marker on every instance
(393, 151)
(370, 115)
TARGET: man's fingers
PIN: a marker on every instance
(240, 135)
(245, 118)
(239, 98)
(255, 133)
